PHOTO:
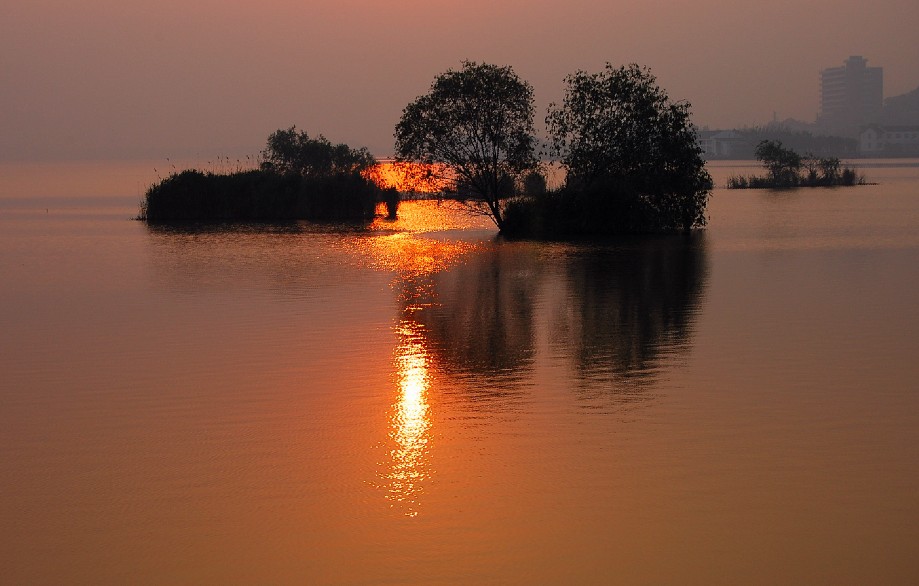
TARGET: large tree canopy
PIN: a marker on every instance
(620, 137)
(478, 122)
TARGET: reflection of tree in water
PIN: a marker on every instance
(480, 326)
(614, 311)
(474, 322)
(628, 306)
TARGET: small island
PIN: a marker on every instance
(788, 169)
(299, 178)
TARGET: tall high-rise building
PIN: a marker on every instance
(851, 96)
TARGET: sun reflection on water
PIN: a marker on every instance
(410, 422)
(413, 258)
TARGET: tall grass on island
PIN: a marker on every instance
(299, 178)
(788, 169)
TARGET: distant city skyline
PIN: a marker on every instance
(205, 79)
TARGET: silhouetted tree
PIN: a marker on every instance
(534, 183)
(478, 122)
(292, 152)
(811, 164)
(782, 163)
(631, 155)
(829, 167)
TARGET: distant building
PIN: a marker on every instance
(902, 110)
(851, 96)
(889, 141)
(722, 144)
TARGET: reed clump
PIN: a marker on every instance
(299, 178)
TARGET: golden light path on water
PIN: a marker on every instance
(413, 258)
(410, 422)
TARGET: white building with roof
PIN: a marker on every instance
(877, 140)
(721, 144)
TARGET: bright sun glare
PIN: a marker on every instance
(410, 421)
(410, 177)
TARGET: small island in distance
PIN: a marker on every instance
(788, 169)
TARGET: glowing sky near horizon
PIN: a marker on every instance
(102, 78)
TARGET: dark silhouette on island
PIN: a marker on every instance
(788, 169)
(631, 156)
(300, 178)
(477, 125)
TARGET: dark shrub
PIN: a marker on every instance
(337, 197)
(631, 154)
(259, 195)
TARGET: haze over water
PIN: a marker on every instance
(424, 403)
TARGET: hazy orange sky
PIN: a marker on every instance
(130, 78)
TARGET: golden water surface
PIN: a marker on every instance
(421, 402)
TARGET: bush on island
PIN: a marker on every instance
(300, 178)
(788, 169)
(632, 162)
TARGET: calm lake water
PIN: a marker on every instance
(424, 403)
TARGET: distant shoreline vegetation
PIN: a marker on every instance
(788, 169)
(299, 178)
